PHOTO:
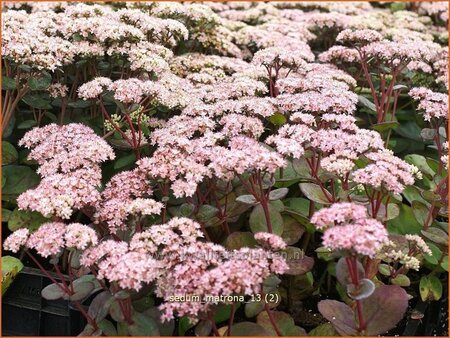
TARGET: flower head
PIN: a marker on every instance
(16, 240)
(347, 227)
(48, 239)
(270, 241)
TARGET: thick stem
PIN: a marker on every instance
(272, 321)
(265, 207)
(352, 265)
(230, 322)
(213, 325)
(89, 319)
(61, 286)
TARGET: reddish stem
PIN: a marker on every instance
(272, 321)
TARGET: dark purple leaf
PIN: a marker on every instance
(340, 315)
(342, 274)
(384, 309)
(99, 307)
(298, 262)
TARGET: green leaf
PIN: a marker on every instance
(6, 214)
(287, 176)
(431, 196)
(238, 240)
(430, 288)
(323, 330)
(143, 325)
(144, 303)
(203, 328)
(278, 205)
(11, 266)
(278, 119)
(37, 101)
(433, 164)
(412, 193)
(223, 312)
(253, 308)
(107, 328)
(51, 116)
(89, 330)
(284, 321)
(18, 179)
(399, 87)
(80, 104)
(278, 194)
(270, 284)
(427, 134)
(436, 235)
(9, 153)
(53, 291)
(405, 223)
(247, 199)
(397, 6)
(26, 124)
(124, 161)
(401, 280)
(420, 162)
(258, 220)
(292, 230)
(206, 212)
(420, 211)
(184, 324)
(166, 328)
(8, 83)
(362, 100)
(115, 311)
(381, 127)
(122, 329)
(409, 130)
(384, 269)
(315, 193)
(393, 211)
(99, 307)
(299, 205)
(248, 329)
(31, 220)
(436, 254)
(444, 263)
(40, 83)
(82, 289)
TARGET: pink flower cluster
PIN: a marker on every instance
(47, 39)
(347, 227)
(124, 195)
(68, 158)
(386, 171)
(51, 238)
(59, 194)
(433, 105)
(204, 272)
(270, 241)
(170, 90)
(172, 256)
(65, 148)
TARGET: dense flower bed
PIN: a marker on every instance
(229, 168)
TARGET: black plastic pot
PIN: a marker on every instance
(434, 321)
(26, 313)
